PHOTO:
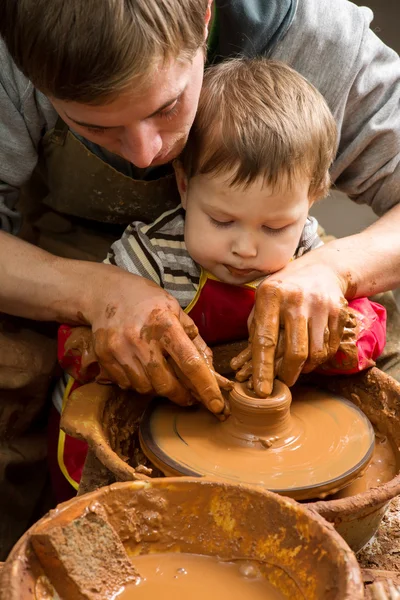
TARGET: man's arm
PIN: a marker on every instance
(136, 325)
(366, 263)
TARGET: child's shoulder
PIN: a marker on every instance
(169, 226)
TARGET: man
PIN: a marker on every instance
(125, 78)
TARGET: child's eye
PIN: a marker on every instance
(272, 231)
(221, 224)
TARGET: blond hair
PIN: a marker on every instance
(90, 50)
(258, 117)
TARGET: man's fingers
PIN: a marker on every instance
(188, 325)
(223, 382)
(164, 381)
(137, 376)
(194, 367)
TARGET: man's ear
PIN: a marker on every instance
(181, 180)
(208, 16)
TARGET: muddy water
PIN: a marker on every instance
(195, 577)
(382, 468)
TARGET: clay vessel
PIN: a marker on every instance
(356, 518)
(301, 554)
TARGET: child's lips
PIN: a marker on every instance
(239, 272)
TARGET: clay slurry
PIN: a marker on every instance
(196, 577)
(315, 449)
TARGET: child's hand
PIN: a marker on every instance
(307, 301)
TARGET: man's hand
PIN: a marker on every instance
(305, 300)
(136, 326)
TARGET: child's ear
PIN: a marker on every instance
(181, 180)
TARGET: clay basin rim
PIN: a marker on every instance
(302, 554)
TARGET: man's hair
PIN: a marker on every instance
(258, 117)
(90, 50)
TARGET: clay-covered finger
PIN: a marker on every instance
(164, 381)
(336, 323)
(223, 382)
(241, 359)
(206, 352)
(194, 367)
(245, 372)
(137, 376)
(265, 338)
(188, 325)
(296, 345)
(113, 373)
(318, 341)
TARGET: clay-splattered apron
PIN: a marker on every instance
(75, 206)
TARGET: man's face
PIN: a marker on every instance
(147, 128)
(240, 234)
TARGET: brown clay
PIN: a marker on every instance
(297, 552)
(182, 576)
(316, 449)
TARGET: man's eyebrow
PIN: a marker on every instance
(83, 124)
(94, 126)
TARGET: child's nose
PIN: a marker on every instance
(245, 246)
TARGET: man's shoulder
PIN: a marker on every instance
(18, 88)
(323, 42)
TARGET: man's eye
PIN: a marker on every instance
(221, 224)
(170, 111)
(95, 130)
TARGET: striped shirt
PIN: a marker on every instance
(158, 252)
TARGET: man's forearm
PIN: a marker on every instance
(38, 285)
(369, 262)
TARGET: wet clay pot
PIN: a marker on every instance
(357, 518)
(299, 552)
(109, 423)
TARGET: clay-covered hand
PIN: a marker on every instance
(304, 301)
(136, 327)
(223, 382)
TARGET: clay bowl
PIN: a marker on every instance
(108, 422)
(299, 552)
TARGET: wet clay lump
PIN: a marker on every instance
(312, 448)
(195, 577)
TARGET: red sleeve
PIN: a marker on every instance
(366, 342)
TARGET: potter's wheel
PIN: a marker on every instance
(311, 448)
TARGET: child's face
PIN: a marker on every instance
(242, 234)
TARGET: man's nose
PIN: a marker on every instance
(141, 145)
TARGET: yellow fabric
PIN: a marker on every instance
(61, 438)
